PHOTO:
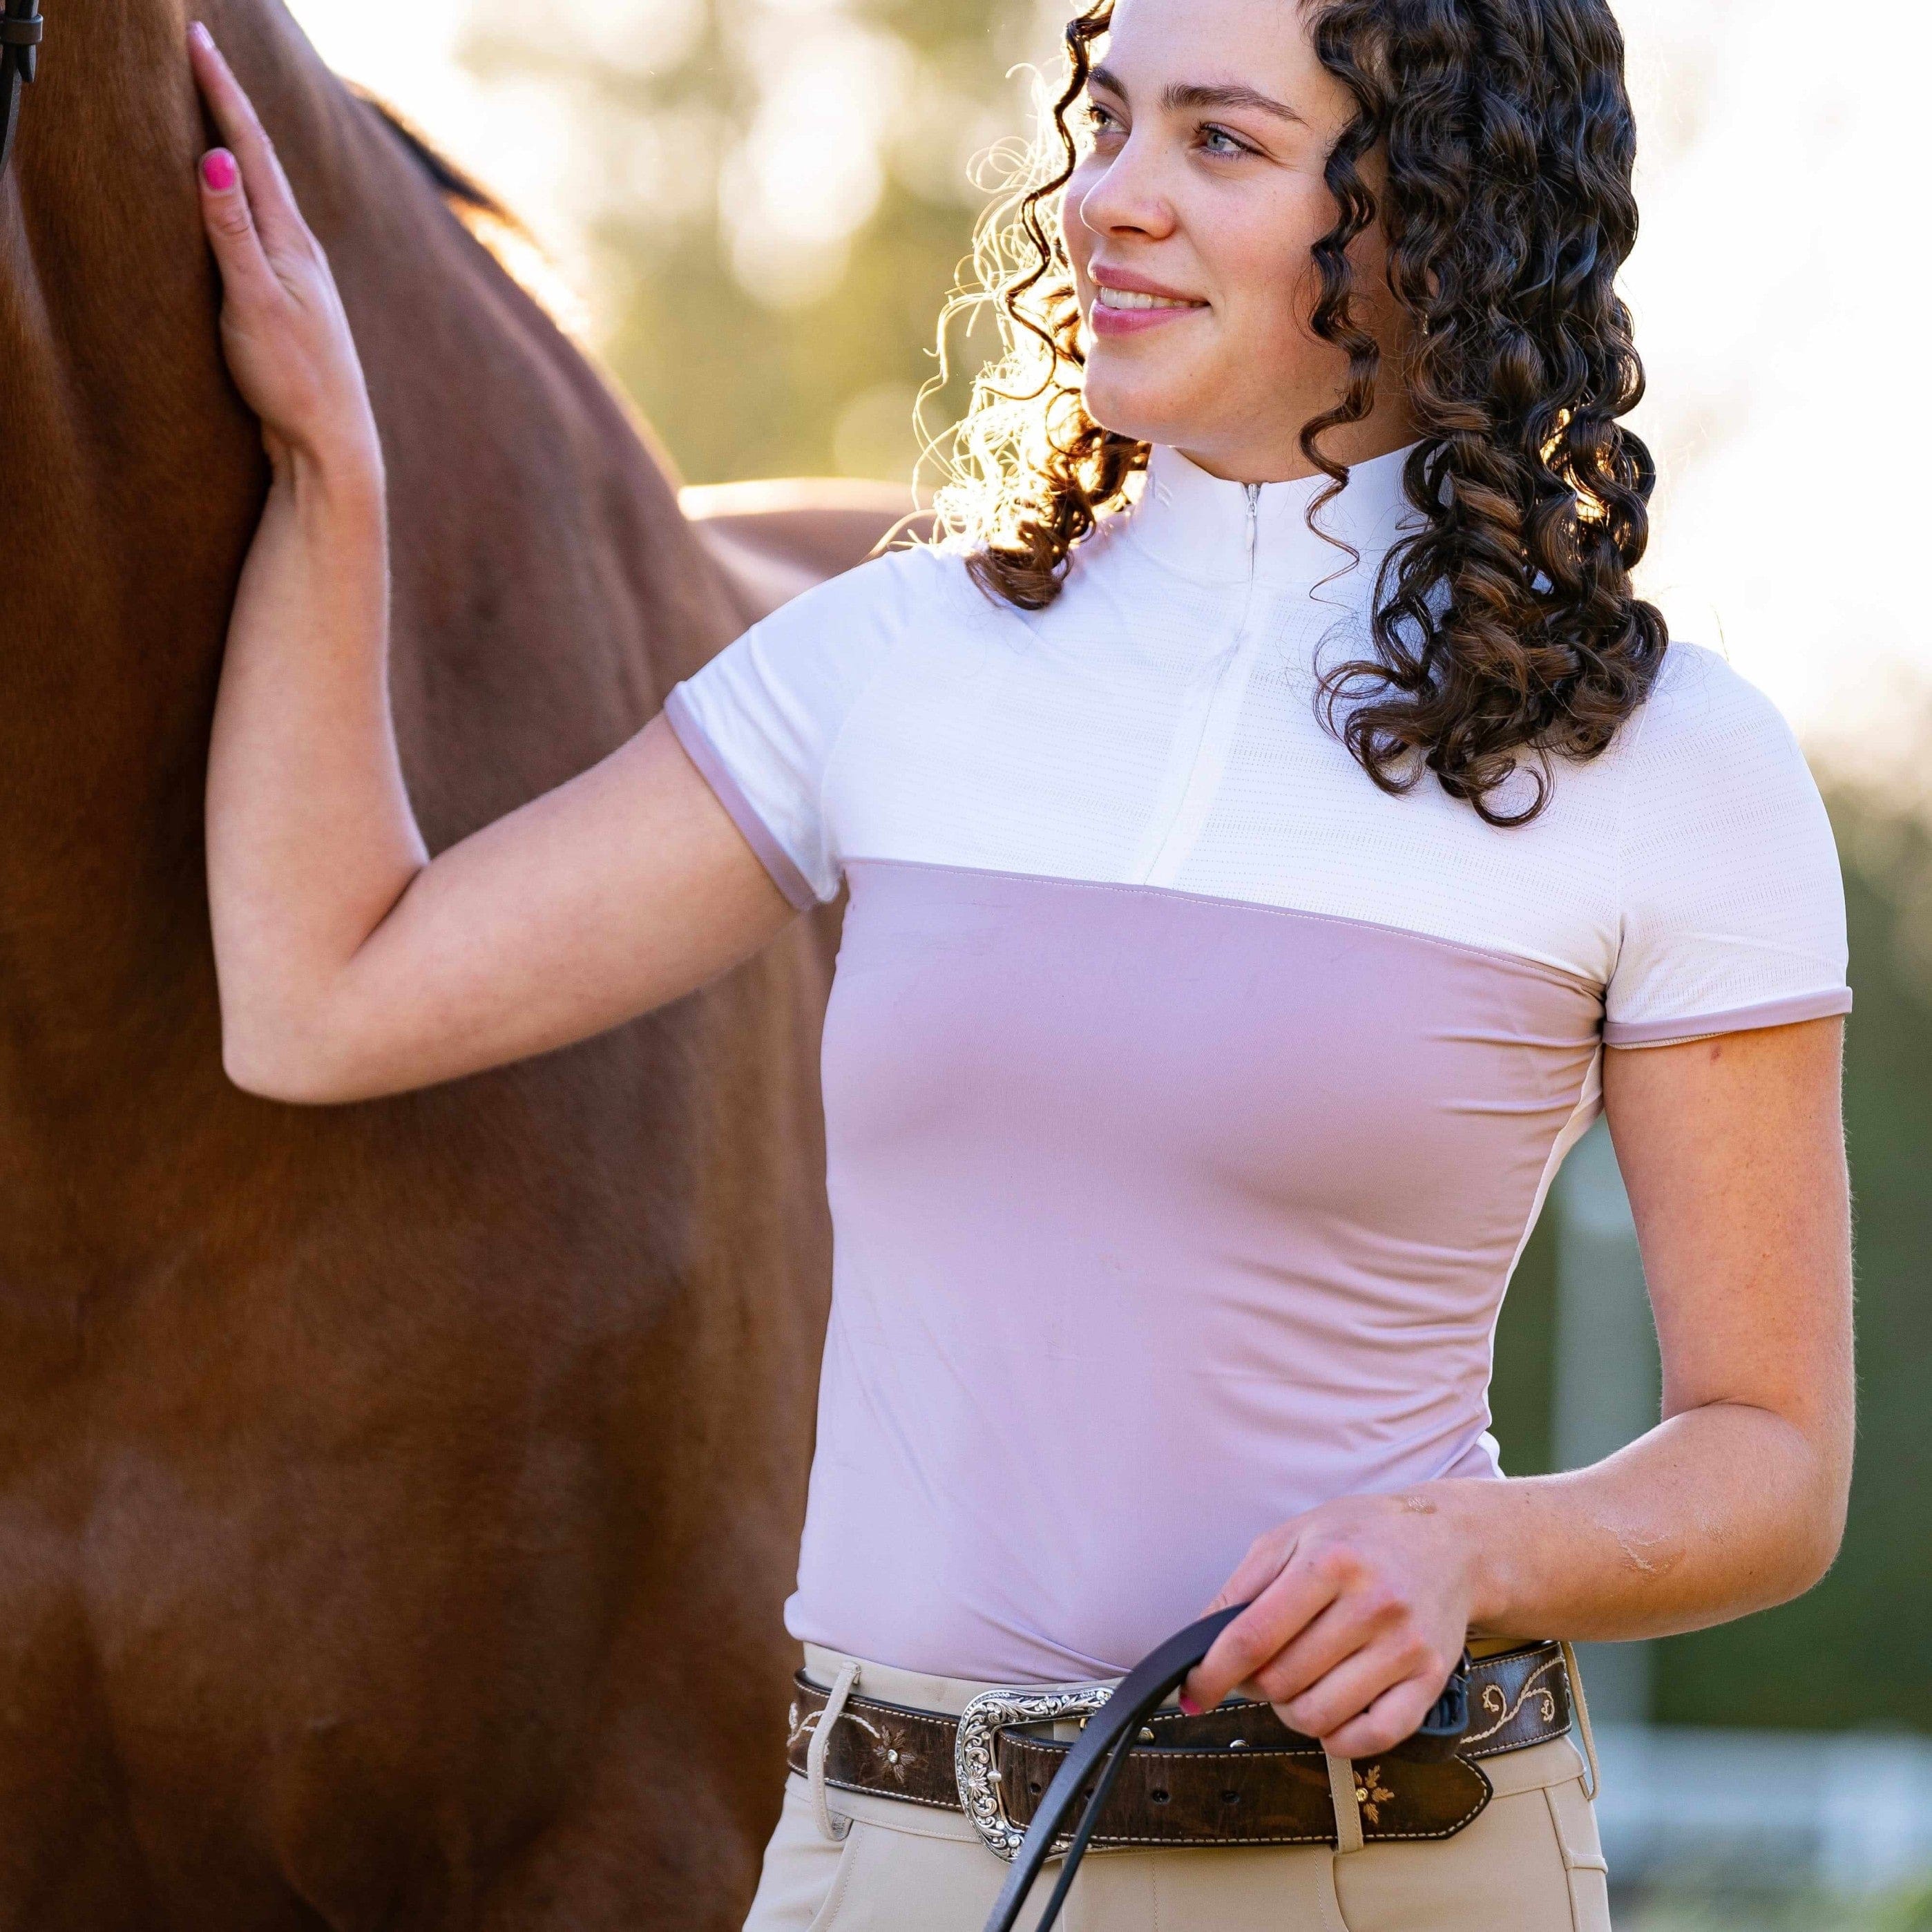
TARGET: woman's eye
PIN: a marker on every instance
(1100, 120)
(1218, 141)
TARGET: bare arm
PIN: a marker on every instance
(350, 964)
(1733, 1152)
(1733, 1149)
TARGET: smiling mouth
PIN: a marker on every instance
(1132, 298)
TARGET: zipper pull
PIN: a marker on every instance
(1254, 490)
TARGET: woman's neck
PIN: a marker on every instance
(1389, 426)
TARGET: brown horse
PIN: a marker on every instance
(395, 1501)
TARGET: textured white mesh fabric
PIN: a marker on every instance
(1156, 725)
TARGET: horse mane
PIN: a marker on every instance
(495, 228)
(456, 183)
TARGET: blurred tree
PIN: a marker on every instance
(790, 189)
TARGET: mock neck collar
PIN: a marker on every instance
(1198, 524)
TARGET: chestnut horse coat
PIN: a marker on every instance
(396, 1501)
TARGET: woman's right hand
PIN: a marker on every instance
(283, 329)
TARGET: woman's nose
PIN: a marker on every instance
(1128, 197)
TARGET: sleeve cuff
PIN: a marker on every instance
(1737, 1019)
(682, 717)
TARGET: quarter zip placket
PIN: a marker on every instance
(1195, 776)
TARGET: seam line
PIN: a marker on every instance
(1496, 954)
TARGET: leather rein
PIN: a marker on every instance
(21, 27)
(1107, 1734)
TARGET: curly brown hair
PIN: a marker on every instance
(1505, 630)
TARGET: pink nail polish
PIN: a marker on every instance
(217, 170)
(200, 34)
(1188, 1704)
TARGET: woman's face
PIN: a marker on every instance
(1190, 223)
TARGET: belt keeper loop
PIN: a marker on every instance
(1581, 1705)
(1348, 1810)
(834, 1829)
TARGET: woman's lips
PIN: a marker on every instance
(1118, 311)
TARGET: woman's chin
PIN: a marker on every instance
(1140, 402)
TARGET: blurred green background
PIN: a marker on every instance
(763, 336)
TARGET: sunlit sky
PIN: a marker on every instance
(1780, 289)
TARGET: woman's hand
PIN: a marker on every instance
(283, 327)
(1358, 1613)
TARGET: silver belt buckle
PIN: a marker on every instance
(973, 1767)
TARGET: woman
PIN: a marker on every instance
(1274, 830)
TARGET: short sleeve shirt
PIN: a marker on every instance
(1189, 1099)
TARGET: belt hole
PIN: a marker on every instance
(1159, 1797)
(1230, 1798)
(1032, 1785)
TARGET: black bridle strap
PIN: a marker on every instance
(1108, 1733)
(21, 28)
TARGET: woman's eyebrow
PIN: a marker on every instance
(1203, 93)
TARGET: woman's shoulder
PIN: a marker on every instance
(1701, 710)
(802, 669)
(1732, 901)
(912, 583)
(764, 719)
(900, 609)
(1712, 763)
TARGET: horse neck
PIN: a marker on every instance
(137, 478)
(132, 478)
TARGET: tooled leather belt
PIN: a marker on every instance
(1236, 1775)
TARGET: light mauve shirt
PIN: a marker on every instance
(1189, 1099)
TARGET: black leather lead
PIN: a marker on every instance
(1448, 1721)
(1109, 1734)
(1109, 1730)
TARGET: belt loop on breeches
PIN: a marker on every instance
(842, 1686)
(1582, 1710)
(1348, 1806)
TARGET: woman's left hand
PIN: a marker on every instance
(1358, 1613)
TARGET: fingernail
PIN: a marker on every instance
(1188, 1704)
(200, 35)
(217, 170)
